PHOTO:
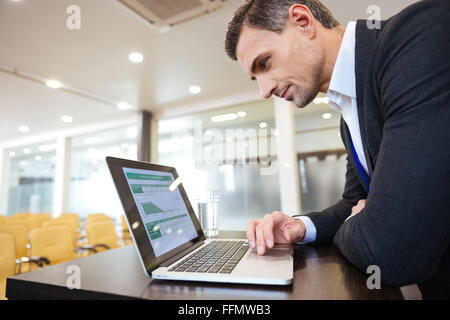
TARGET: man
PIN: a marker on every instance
(391, 85)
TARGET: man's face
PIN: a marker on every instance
(286, 65)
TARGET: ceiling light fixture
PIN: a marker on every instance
(320, 100)
(326, 115)
(241, 114)
(224, 117)
(123, 106)
(53, 84)
(136, 57)
(263, 125)
(67, 119)
(195, 89)
(24, 129)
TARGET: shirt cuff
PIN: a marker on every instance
(311, 231)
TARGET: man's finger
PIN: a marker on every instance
(260, 241)
(251, 237)
(268, 230)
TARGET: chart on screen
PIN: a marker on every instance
(161, 208)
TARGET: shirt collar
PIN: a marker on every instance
(343, 79)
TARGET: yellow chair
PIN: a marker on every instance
(71, 216)
(102, 234)
(30, 222)
(21, 238)
(97, 217)
(64, 222)
(53, 243)
(22, 215)
(3, 219)
(42, 218)
(7, 260)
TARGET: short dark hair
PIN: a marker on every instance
(270, 15)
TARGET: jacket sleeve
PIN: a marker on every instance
(405, 227)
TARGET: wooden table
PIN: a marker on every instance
(320, 272)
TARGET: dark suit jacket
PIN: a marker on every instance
(403, 95)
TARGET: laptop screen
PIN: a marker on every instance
(161, 208)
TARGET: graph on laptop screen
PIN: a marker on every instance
(161, 208)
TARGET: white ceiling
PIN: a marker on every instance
(94, 60)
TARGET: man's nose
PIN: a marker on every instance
(266, 86)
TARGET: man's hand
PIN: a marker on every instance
(276, 227)
(359, 206)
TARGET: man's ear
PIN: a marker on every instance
(301, 17)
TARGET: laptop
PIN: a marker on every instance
(169, 239)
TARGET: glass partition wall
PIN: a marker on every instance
(321, 155)
(229, 150)
(31, 178)
(91, 186)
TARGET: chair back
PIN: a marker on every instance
(21, 238)
(71, 216)
(7, 260)
(102, 232)
(54, 243)
(7, 255)
(3, 219)
(64, 222)
(42, 218)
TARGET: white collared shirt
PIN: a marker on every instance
(342, 95)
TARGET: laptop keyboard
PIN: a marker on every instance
(216, 257)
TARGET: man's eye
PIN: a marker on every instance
(263, 63)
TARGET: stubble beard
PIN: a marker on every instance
(304, 96)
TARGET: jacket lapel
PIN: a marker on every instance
(365, 45)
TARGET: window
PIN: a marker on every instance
(31, 178)
(91, 187)
(230, 150)
(321, 155)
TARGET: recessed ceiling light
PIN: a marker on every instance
(123, 106)
(195, 89)
(263, 125)
(53, 84)
(136, 57)
(12, 154)
(320, 100)
(224, 117)
(326, 115)
(241, 114)
(24, 129)
(67, 119)
(92, 140)
(26, 150)
(38, 158)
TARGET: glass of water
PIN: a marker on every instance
(208, 213)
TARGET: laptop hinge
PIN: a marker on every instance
(168, 262)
